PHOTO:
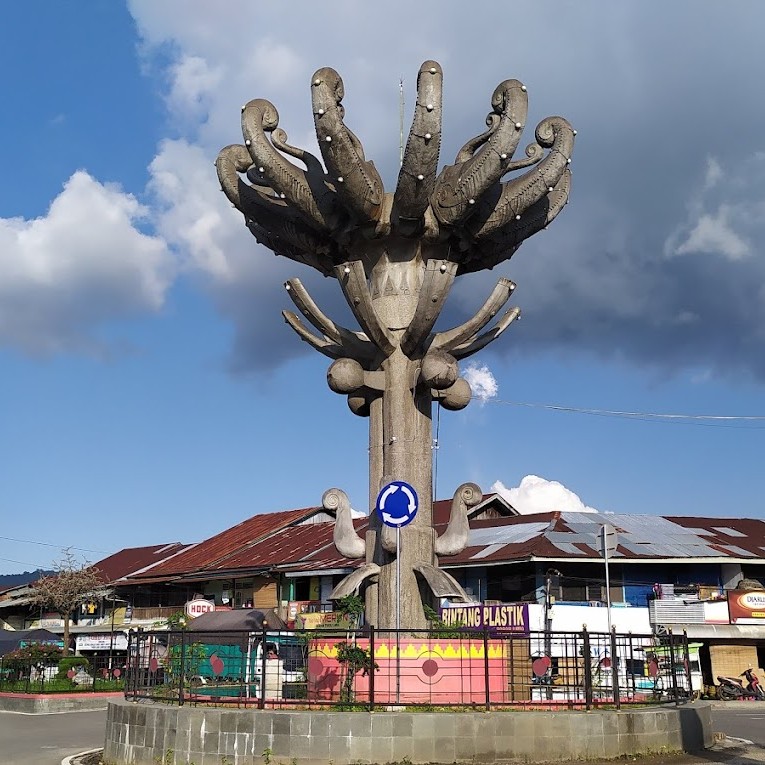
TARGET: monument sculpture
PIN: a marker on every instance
(396, 256)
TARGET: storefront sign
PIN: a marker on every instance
(103, 641)
(25, 643)
(504, 617)
(746, 606)
(199, 606)
(312, 621)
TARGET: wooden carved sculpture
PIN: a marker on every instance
(396, 256)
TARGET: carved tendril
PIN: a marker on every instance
(319, 218)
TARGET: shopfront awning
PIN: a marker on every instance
(724, 631)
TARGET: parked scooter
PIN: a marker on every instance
(731, 688)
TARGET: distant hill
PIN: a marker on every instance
(15, 580)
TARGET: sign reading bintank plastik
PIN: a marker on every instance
(746, 606)
(503, 617)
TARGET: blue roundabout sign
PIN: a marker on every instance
(397, 504)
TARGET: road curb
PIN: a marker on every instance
(73, 758)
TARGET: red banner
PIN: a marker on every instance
(746, 606)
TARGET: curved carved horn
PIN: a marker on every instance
(455, 337)
(476, 344)
(357, 182)
(501, 245)
(231, 161)
(347, 541)
(321, 344)
(417, 176)
(269, 218)
(355, 343)
(460, 183)
(455, 538)
(259, 117)
(519, 194)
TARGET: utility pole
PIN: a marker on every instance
(550, 573)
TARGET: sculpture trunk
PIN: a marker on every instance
(400, 444)
(406, 457)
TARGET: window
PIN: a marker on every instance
(578, 591)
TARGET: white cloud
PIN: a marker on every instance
(538, 495)
(192, 82)
(482, 382)
(243, 279)
(80, 266)
(714, 234)
(191, 212)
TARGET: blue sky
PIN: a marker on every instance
(152, 392)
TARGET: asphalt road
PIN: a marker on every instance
(46, 739)
(741, 719)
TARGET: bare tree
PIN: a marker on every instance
(72, 584)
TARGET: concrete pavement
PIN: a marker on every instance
(45, 739)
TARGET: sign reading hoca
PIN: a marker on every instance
(746, 606)
(504, 617)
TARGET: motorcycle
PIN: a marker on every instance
(731, 688)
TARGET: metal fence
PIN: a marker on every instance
(100, 673)
(431, 669)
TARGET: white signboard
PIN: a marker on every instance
(103, 641)
(199, 606)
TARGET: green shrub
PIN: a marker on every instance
(71, 662)
(37, 655)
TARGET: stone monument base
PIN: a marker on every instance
(147, 733)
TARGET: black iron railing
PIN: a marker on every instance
(95, 674)
(371, 668)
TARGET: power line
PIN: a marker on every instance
(48, 544)
(717, 420)
(24, 563)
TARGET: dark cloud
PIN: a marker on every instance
(654, 262)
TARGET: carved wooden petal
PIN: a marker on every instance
(353, 581)
(443, 585)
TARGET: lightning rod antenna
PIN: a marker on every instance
(401, 121)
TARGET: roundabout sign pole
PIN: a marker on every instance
(397, 505)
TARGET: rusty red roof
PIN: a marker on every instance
(208, 553)
(134, 559)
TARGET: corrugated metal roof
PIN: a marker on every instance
(134, 559)
(280, 541)
(575, 534)
(290, 545)
(230, 541)
(503, 535)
